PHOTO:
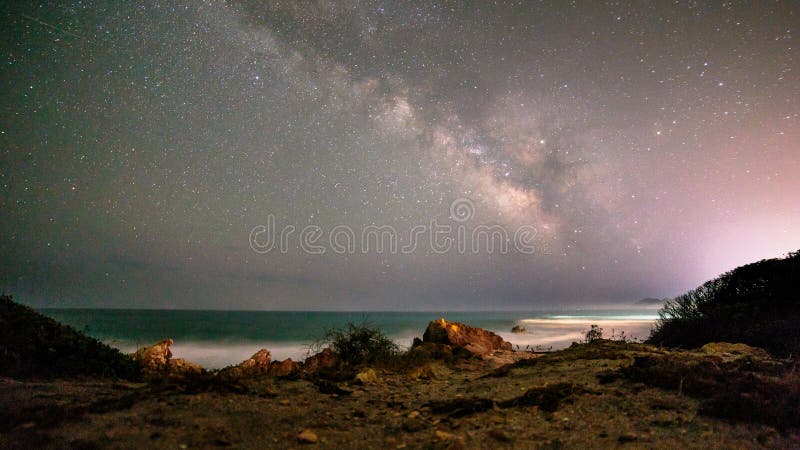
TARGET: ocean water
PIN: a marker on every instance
(216, 339)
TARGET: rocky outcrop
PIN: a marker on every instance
(518, 329)
(325, 359)
(285, 369)
(253, 367)
(156, 360)
(183, 367)
(475, 340)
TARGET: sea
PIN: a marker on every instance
(216, 339)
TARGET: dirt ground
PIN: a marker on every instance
(437, 407)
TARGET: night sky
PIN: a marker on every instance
(650, 145)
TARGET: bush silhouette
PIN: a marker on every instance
(360, 344)
(757, 304)
(594, 334)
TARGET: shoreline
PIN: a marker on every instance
(458, 387)
(221, 345)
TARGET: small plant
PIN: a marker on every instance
(359, 344)
(621, 337)
(594, 334)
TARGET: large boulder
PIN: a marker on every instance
(154, 358)
(475, 340)
(255, 366)
(156, 361)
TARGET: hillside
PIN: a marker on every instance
(757, 304)
(32, 345)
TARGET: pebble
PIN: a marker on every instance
(500, 435)
(307, 437)
(445, 436)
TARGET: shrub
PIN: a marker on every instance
(594, 333)
(359, 344)
(756, 304)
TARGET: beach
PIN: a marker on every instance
(216, 339)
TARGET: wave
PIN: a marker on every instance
(216, 355)
(547, 331)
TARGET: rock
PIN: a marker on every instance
(284, 369)
(475, 340)
(505, 357)
(518, 329)
(183, 367)
(428, 351)
(154, 358)
(325, 359)
(156, 361)
(627, 437)
(414, 424)
(367, 376)
(445, 436)
(432, 371)
(500, 435)
(307, 437)
(730, 351)
(255, 366)
(326, 387)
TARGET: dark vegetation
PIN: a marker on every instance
(749, 389)
(357, 344)
(757, 304)
(34, 345)
(594, 334)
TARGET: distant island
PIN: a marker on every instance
(651, 301)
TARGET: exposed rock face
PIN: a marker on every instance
(325, 359)
(518, 329)
(156, 360)
(285, 368)
(180, 366)
(475, 340)
(256, 365)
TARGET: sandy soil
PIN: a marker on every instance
(394, 412)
